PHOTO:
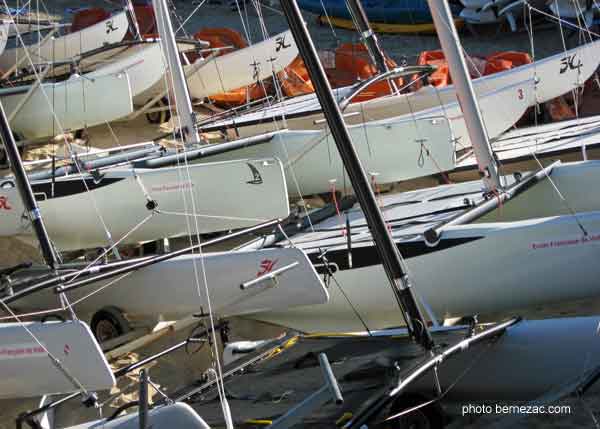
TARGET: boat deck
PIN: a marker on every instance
(408, 214)
(289, 372)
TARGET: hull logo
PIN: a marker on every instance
(568, 63)
(280, 44)
(110, 27)
(4, 205)
(266, 266)
(256, 177)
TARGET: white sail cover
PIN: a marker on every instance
(27, 371)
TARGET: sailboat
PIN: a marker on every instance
(541, 218)
(56, 357)
(554, 76)
(536, 226)
(156, 201)
(260, 280)
(53, 48)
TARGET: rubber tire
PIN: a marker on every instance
(106, 320)
(158, 118)
(428, 417)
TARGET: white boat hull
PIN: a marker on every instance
(555, 76)
(67, 106)
(27, 371)
(62, 48)
(143, 64)
(249, 192)
(495, 284)
(242, 67)
(523, 259)
(174, 289)
(390, 151)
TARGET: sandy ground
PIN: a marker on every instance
(182, 368)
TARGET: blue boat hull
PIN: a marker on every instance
(383, 11)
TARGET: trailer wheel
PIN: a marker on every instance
(109, 323)
(428, 417)
(162, 116)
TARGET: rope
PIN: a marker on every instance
(560, 195)
(219, 379)
(205, 216)
(111, 248)
(347, 298)
(190, 15)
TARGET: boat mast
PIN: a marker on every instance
(186, 115)
(26, 192)
(390, 256)
(446, 31)
(367, 34)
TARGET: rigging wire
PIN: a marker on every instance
(219, 379)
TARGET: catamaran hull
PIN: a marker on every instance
(27, 371)
(514, 98)
(530, 359)
(67, 106)
(145, 67)
(390, 151)
(242, 67)
(518, 265)
(57, 49)
(555, 75)
(175, 288)
(143, 205)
